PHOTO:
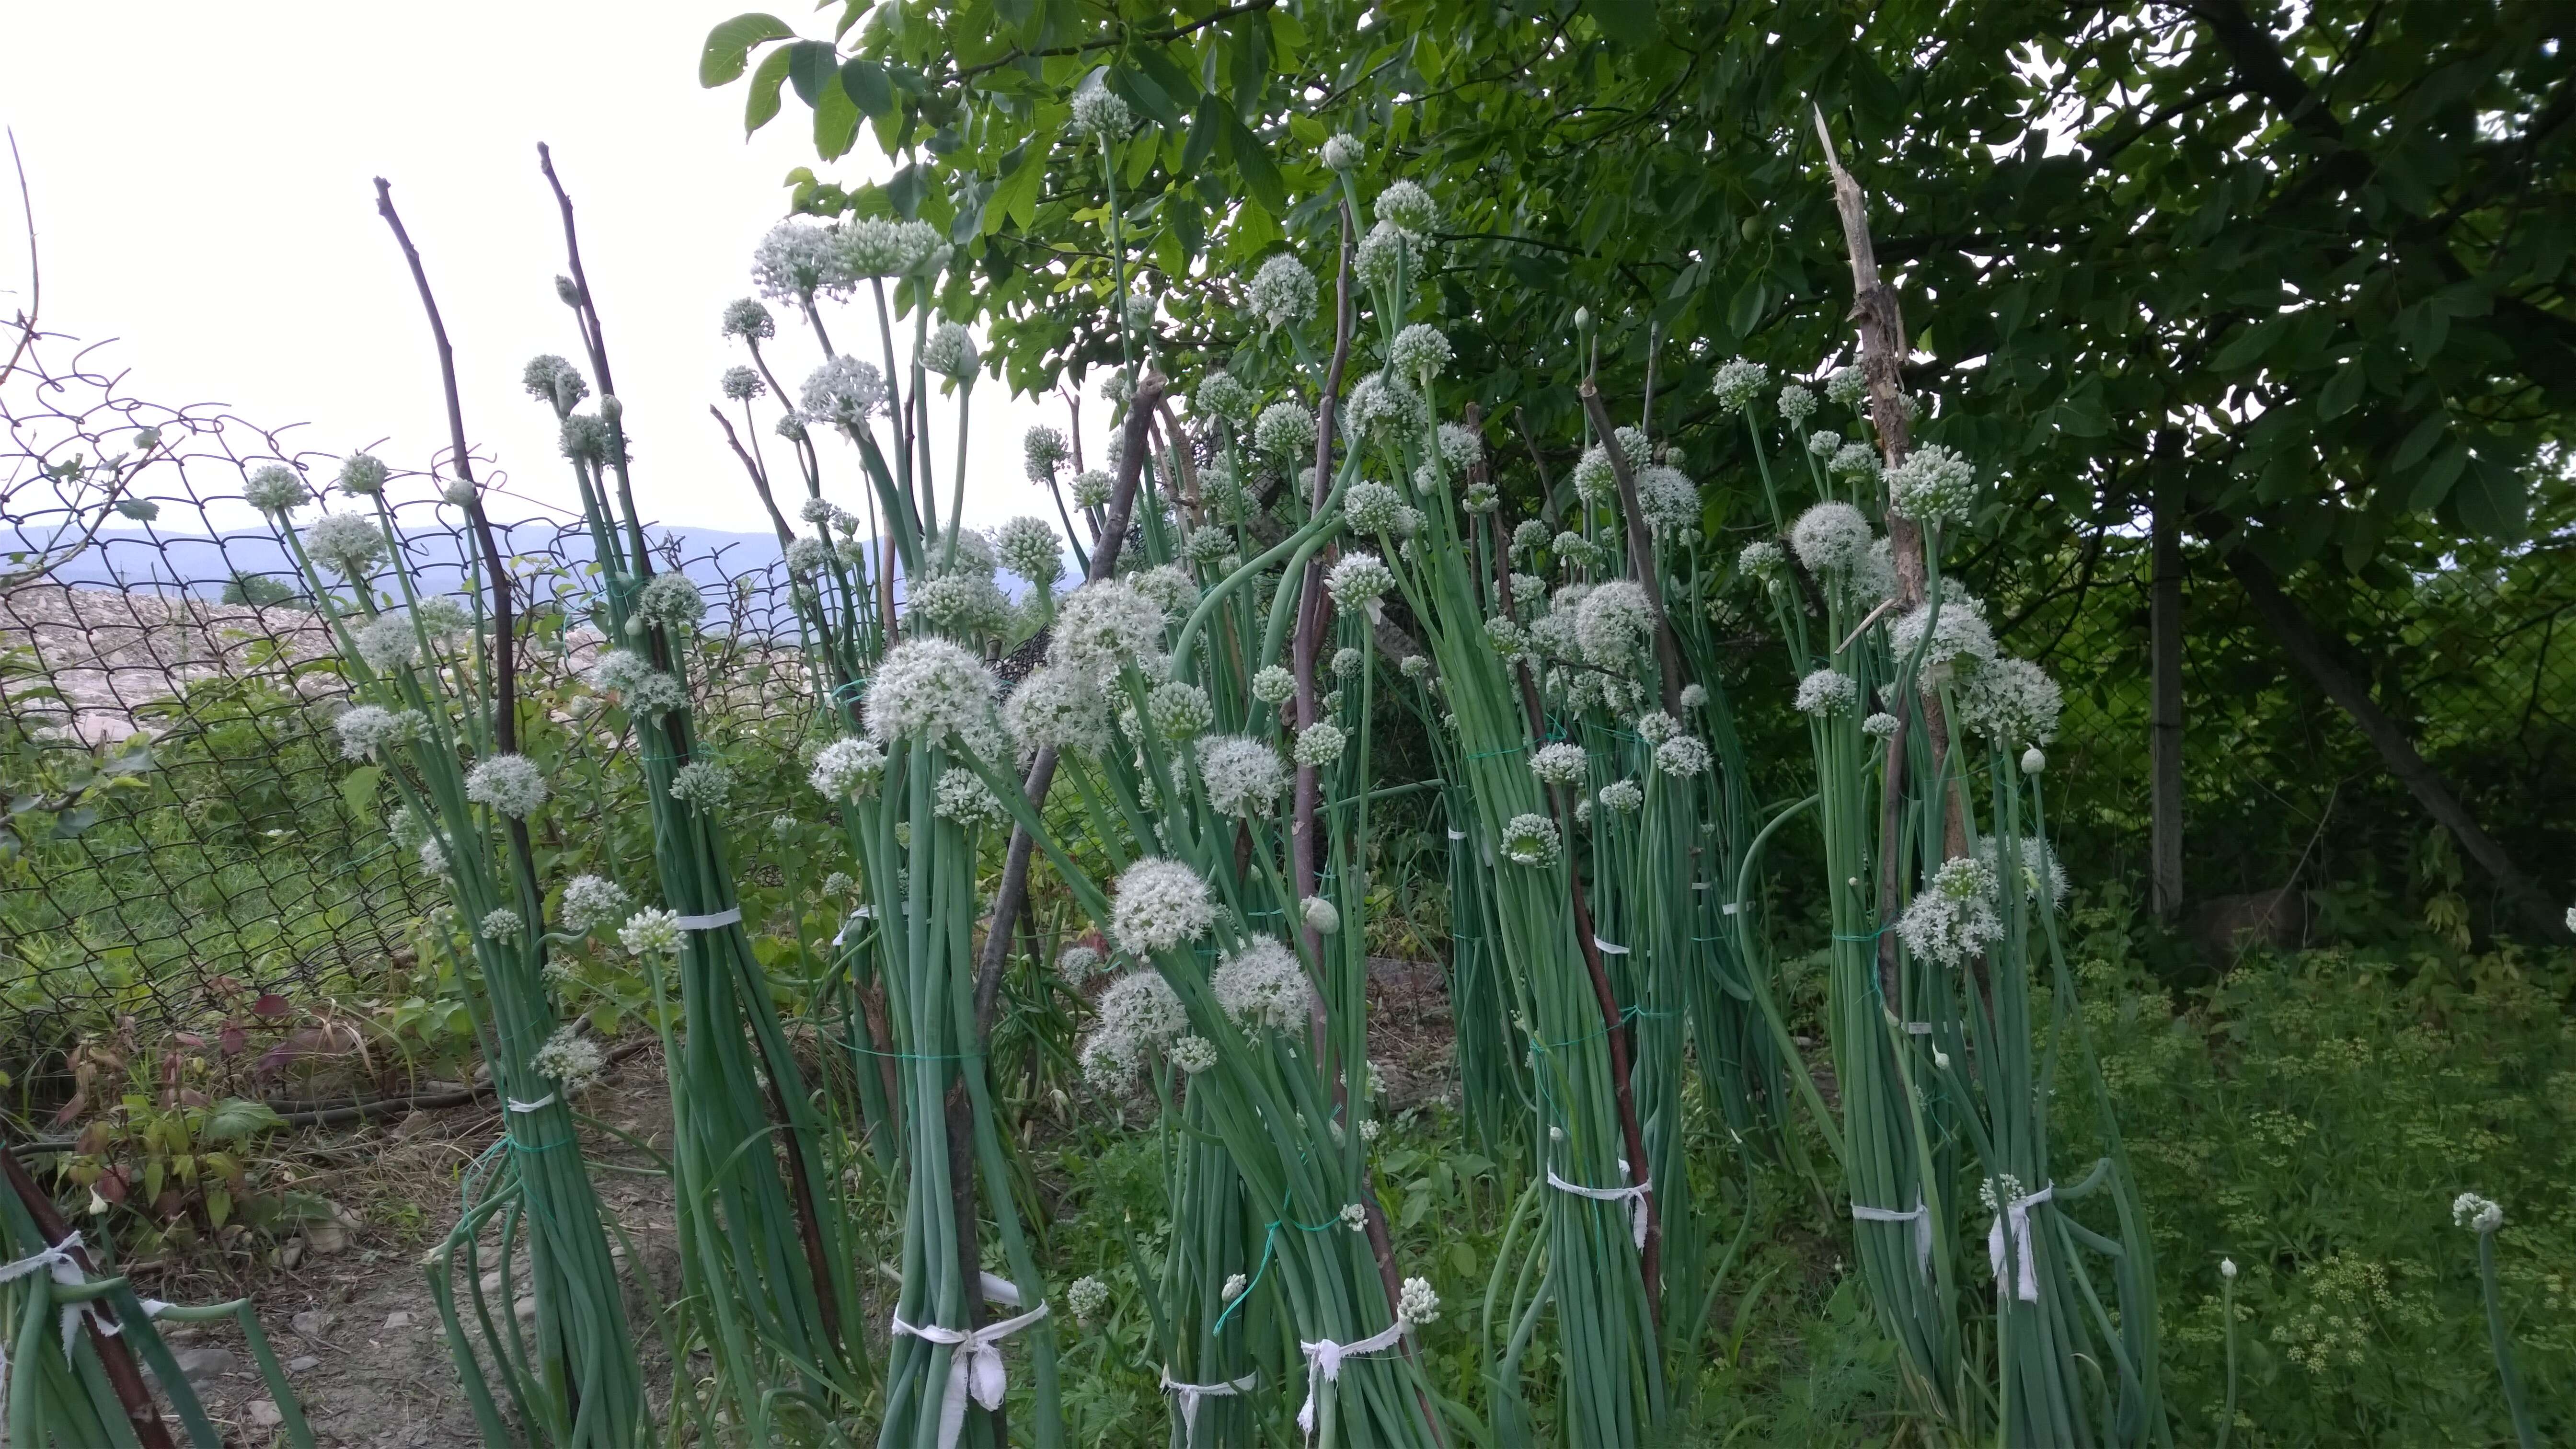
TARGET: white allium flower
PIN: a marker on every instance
(1347, 661)
(1356, 578)
(1088, 1295)
(1824, 443)
(1961, 641)
(1561, 763)
(1117, 389)
(950, 352)
(586, 437)
(551, 380)
(1796, 403)
(361, 475)
(1420, 352)
(1761, 559)
(1159, 904)
(651, 932)
(433, 857)
(1682, 756)
(1480, 498)
(1170, 588)
(276, 490)
(1058, 707)
(928, 687)
(1406, 206)
(791, 424)
(500, 924)
(2011, 701)
(511, 784)
(1319, 744)
(1244, 776)
(1103, 627)
(1379, 253)
(1847, 386)
(1098, 115)
(962, 796)
(1415, 667)
(2034, 760)
(671, 600)
(1077, 962)
(702, 783)
(2227, 1267)
(1178, 710)
(2040, 868)
(1341, 153)
(747, 319)
(1029, 547)
(1273, 684)
(1880, 724)
(2475, 1213)
(1042, 451)
(1574, 551)
(1417, 1304)
(1622, 796)
(1354, 1217)
(1935, 485)
(1141, 1011)
(1827, 692)
(1528, 536)
(1614, 623)
(1595, 481)
(1372, 507)
(1668, 499)
(1261, 985)
(885, 246)
(1091, 488)
(1953, 917)
(1531, 839)
(741, 384)
(1831, 538)
(1221, 395)
(1854, 459)
(365, 729)
(844, 391)
(1193, 1054)
(800, 257)
(1737, 383)
(1320, 915)
(844, 767)
(1382, 401)
(589, 902)
(1282, 292)
(1694, 696)
(567, 1058)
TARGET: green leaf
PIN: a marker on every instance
(1252, 161)
(812, 66)
(358, 791)
(236, 1118)
(2420, 441)
(866, 83)
(728, 47)
(2493, 498)
(761, 106)
(2341, 390)
(836, 120)
(1017, 197)
(1626, 22)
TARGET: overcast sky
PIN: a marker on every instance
(201, 176)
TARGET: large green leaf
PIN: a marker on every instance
(812, 67)
(728, 47)
(760, 107)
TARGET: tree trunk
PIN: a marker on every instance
(2306, 648)
(2164, 711)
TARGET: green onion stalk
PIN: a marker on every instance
(1944, 1070)
(755, 1163)
(432, 694)
(1598, 1195)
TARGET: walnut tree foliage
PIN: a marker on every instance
(2308, 264)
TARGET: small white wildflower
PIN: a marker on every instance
(844, 767)
(1935, 485)
(1737, 383)
(1561, 763)
(1417, 1304)
(568, 1059)
(1318, 744)
(1383, 402)
(1179, 711)
(366, 729)
(1614, 623)
(1622, 796)
(500, 924)
(1953, 917)
(741, 384)
(1244, 776)
(929, 688)
(1847, 386)
(1420, 352)
(433, 857)
(1076, 963)
(1854, 459)
(651, 932)
(1282, 293)
(2040, 869)
(1668, 499)
(1760, 559)
(1273, 684)
(1694, 696)
(746, 318)
(1356, 578)
(844, 390)
(1827, 692)
(1531, 839)
(1104, 627)
(1354, 1217)
(1193, 1054)
(1159, 904)
(589, 902)
(361, 475)
(2011, 701)
(1880, 724)
(1098, 115)
(950, 352)
(1796, 403)
(799, 258)
(1380, 253)
(1347, 661)
(1341, 153)
(349, 544)
(1407, 207)
(1961, 641)
(511, 784)
(962, 796)
(276, 490)
(1170, 587)
(1372, 507)
(671, 600)
(884, 246)
(1657, 727)
(1595, 482)
(1824, 443)
(1061, 708)
(1415, 667)
(702, 783)
(1091, 488)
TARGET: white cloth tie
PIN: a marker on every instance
(66, 1272)
(1324, 1364)
(863, 913)
(1608, 948)
(2017, 1213)
(974, 1368)
(1635, 1197)
(547, 1100)
(1457, 835)
(1186, 1397)
(725, 917)
(1921, 1217)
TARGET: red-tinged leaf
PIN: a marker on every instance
(111, 1185)
(71, 1109)
(271, 1005)
(235, 1040)
(189, 1038)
